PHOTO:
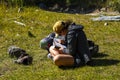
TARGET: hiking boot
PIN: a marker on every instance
(26, 60)
(15, 51)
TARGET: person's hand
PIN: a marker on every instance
(61, 50)
(61, 41)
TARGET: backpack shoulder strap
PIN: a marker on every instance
(75, 27)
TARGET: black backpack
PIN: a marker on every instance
(79, 45)
(94, 48)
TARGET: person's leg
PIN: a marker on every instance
(63, 60)
(53, 51)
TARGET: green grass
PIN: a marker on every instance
(106, 65)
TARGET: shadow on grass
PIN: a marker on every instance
(103, 62)
(100, 55)
(96, 62)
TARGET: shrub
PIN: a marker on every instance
(85, 4)
(12, 2)
(115, 5)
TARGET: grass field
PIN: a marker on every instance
(106, 65)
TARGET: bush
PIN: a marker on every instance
(83, 4)
(12, 2)
(115, 5)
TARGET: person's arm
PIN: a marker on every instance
(58, 43)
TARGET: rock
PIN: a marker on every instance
(105, 24)
(66, 10)
(55, 7)
(103, 9)
(30, 34)
(20, 10)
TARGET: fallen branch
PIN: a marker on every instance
(19, 23)
(107, 18)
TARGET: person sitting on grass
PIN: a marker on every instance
(52, 40)
(76, 51)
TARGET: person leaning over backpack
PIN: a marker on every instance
(77, 51)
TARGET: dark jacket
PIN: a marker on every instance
(76, 42)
